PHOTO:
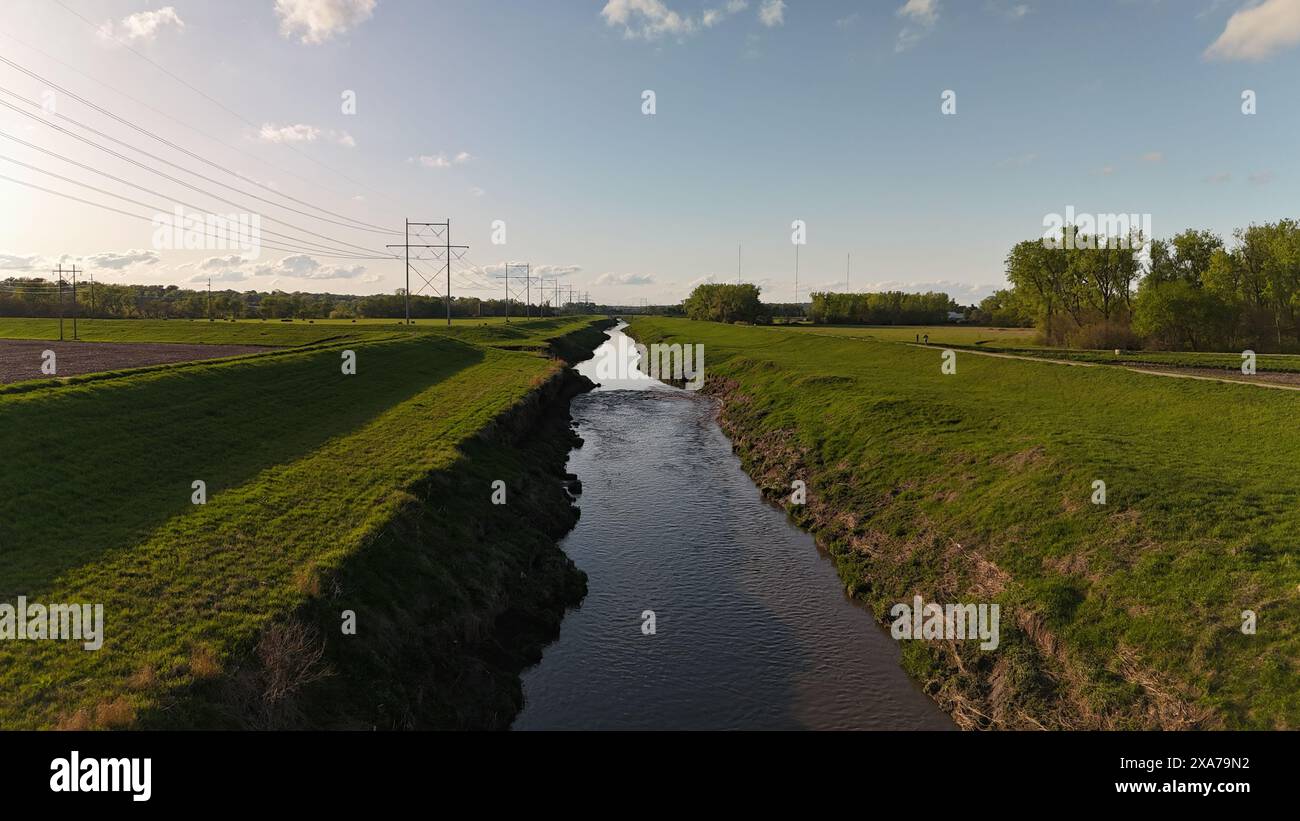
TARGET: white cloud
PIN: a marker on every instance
(303, 133)
(1219, 178)
(298, 133)
(1153, 156)
(653, 19)
(1009, 10)
(16, 262)
(772, 13)
(475, 191)
(923, 12)
(624, 279)
(303, 266)
(1262, 177)
(1258, 31)
(142, 26)
(230, 261)
(117, 260)
(440, 159)
(431, 160)
(712, 17)
(315, 21)
(846, 23)
(496, 270)
(920, 17)
(646, 19)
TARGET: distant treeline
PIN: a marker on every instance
(1195, 293)
(741, 303)
(884, 308)
(43, 298)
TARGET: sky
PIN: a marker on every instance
(920, 138)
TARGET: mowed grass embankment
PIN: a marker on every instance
(977, 486)
(304, 466)
(276, 333)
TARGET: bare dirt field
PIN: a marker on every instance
(20, 359)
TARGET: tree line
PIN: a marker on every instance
(1193, 291)
(881, 308)
(718, 302)
(36, 297)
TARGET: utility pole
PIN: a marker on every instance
(737, 263)
(406, 243)
(507, 273)
(92, 294)
(796, 276)
(209, 299)
(76, 309)
(447, 247)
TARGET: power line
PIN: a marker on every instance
(321, 250)
(186, 125)
(164, 175)
(219, 104)
(139, 216)
(98, 133)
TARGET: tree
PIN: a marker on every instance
(724, 303)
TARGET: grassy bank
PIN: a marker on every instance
(325, 493)
(977, 487)
(275, 333)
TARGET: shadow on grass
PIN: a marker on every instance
(97, 466)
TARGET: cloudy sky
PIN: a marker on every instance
(533, 114)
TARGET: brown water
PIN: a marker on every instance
(753, 630)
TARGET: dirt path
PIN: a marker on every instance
(1278, 381)
(20, 359)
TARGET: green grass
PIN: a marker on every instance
(941, 334)
(1202, 520)
(304, 468)
(490, 330)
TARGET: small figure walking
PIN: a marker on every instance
(927, 339)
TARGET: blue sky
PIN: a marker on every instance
(766, 112)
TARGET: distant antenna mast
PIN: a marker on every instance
(737, 263)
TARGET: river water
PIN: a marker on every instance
(752, 629)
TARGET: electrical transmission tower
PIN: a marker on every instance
(60, 272)
(444, 251)
(528, 291)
